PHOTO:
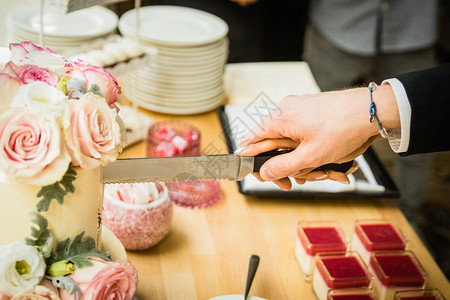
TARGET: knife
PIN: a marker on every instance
(194, 168)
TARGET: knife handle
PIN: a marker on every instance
(261, 158)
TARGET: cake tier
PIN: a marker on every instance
(81, 210)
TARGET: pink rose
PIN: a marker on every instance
(94, 133)
(20, 50)
(108, 86)
(4, 297)
(32, 148)
(44, 291)
(9, 87)
(104, 281)
(31, 73)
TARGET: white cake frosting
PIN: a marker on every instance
(81, 210)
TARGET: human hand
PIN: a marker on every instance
(330, 127)
(244, 3)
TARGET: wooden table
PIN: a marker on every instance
(206, 253)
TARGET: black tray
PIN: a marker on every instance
(380, 173)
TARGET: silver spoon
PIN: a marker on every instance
(252, 267)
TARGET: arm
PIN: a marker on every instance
(322, 128)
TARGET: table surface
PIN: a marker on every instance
(207, 250)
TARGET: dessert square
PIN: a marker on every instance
(339, 271)
(317, 237)
(351, 294)
(376, 234)
(420, 294)
(395, 271)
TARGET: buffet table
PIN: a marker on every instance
(207, 250)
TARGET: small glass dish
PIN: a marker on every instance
(194, 194)
(139, 214)
(173, 138)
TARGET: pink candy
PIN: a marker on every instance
(169, 143)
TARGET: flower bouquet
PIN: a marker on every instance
(58, 127)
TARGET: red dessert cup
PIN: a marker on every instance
(396, 271)
(339, 271)
(317, 237)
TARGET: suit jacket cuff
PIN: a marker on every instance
(399, 139)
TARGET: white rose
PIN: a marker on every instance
(41, 97)
(21, 267)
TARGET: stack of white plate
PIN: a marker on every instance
(186, 74)
(61, 31)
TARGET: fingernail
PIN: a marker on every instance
(321, 177)
(267, 174)
(344, 181)
(240, 150)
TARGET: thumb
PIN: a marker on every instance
(285, 165)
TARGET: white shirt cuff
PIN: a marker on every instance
(399, 139)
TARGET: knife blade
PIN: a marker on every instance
(194, 168)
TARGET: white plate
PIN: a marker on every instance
(180, 79)
(89, 22)
(179, 96)
(174, 25)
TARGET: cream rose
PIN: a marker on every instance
(41, 97)
(94, 132)
(21, 267)
(32, 147)
(44, 291)
(9, 88)
(104, 281)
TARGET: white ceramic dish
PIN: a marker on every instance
(89, 22)
(235, 297)
(174, 25)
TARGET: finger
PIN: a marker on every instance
(286, 165)
(314, 176)
(257, 176)
(266, 145)
(284, 183)
(300, 181)
(338, 176)
(352, 170)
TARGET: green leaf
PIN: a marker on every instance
(77, 251)
(67, 283)
(94, 89)
(57, 190)
(39, 235)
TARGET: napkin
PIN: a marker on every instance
(136, 124)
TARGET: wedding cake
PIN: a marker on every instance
(58, 127)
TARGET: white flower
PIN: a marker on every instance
(41, 97)
(21, 267)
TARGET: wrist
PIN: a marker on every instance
(387, 108)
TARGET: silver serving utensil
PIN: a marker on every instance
(252, 267)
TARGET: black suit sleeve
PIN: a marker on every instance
(428, 92)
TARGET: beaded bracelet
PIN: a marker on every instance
(373, 111)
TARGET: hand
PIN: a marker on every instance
(330, 127)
